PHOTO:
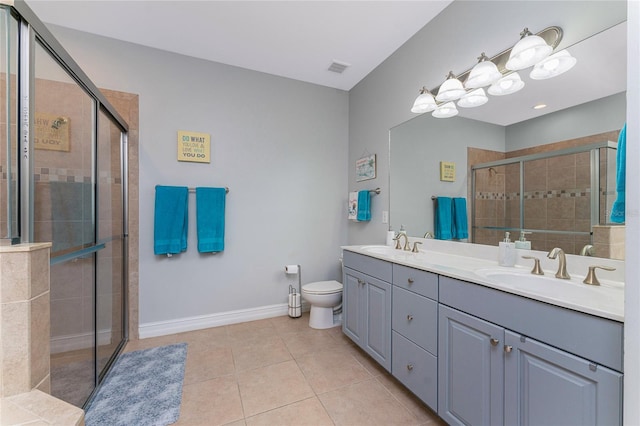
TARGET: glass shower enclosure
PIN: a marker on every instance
(63, 162)
(558, 197)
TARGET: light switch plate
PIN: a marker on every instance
(385, 216)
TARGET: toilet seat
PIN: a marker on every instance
(322, 287)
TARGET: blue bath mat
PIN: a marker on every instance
(144, 388)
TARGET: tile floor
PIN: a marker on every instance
(278, 371)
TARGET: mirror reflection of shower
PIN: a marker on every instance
(58, 122)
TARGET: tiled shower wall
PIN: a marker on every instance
(556, 194)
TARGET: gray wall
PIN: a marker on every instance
(450, 42)
(604, 115)
(415, 170)
(285, 166)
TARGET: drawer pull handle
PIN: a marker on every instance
(410, 280)
(409, 367)
(508, 348)
(409, 317)
(494, 342)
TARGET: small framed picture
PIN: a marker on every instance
(366, 168)
(447, 171)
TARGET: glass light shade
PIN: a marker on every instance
(473, 99)
(445, 110)
(527, 52)
(424, 103)
(483, 74)
(450, 90)
(553, 65)
(506, 85)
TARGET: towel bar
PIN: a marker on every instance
(193, 190)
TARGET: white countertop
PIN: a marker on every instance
(478, 264)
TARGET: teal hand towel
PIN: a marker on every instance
(617, 211)
(364, 206)
(444, 218)
(210, 205)
(170, 219)
(460, 229)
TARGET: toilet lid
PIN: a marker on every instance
(323, 287)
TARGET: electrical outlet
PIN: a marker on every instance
(385, 216)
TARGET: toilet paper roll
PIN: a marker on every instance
(295, 308)
(291, 269)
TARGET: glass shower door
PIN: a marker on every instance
(63, 163)
(110, 263)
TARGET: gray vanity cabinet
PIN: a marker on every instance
(470, 370)
(544, 385)
(415, 332)
(489, 374)
(367, 305)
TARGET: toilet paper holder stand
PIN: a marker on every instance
(295, 303)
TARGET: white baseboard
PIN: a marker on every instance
(163, 328)
(74, 342)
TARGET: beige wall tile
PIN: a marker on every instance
(39, 339)
(15, 348)
(15, 278)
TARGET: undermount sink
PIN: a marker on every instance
(379, 249)
(549, 285)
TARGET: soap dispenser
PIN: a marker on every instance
(506, 252)
(522, 243)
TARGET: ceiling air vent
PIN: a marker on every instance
(338, 67)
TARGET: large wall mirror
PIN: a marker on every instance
(586, 106)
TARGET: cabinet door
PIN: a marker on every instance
(547, 386)
(353, 305)
(378, 321)
(470, 369)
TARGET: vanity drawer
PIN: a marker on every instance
(415, 368)
(368, 265)
(421, 282)
(416, 318)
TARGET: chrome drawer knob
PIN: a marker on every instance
(508, 348)
(409, 317)
(409, 367)
(410, 280)
(494, 342)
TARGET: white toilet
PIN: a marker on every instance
(323, 296)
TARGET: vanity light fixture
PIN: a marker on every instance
(425, 102)
(473, 99)
(530, 50)
(445, 110)
(497, 72)
(553, 65)
(507, 85)
(451, 89)
(483, 74)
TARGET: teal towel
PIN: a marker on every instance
(460, 230)
(210, 203)
(444, 218)
(170, 219)
(617, 211)
(364, 206)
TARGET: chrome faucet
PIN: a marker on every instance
(406, 241)
(562, 263)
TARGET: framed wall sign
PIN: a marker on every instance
(52, 132)
(194, 147)
(366, 168)
(447, 171)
